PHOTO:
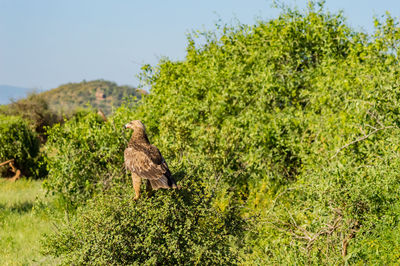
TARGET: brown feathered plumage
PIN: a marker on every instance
(145, 161)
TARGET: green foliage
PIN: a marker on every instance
(35, 109)
(170, 228)
(296, 121)
(83, 155)
(236, 99)
(267, 108)
(19, 142)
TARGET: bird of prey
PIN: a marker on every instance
(144, 160)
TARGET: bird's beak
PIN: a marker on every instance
(125, 126)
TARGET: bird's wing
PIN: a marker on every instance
(147, 166)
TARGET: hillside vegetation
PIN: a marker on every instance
(100, 94)
(42, 110)
(284, 136)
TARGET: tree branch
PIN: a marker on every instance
(7, 162)
(13, 169)
(360, 139)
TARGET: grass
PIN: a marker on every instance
(23, 219)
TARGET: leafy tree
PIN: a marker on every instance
(19, 142)
(35, 109)
(84, 154)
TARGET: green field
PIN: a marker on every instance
(23, 219)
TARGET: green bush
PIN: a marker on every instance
(83, 156)
(19, 142)
(170, 228)
(267, 109)
(239, 100)
(35, 110)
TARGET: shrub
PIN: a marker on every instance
(84, 155)
(170, 228)
(19, 142)
(267, 109)
(35, 110)
(238, 100)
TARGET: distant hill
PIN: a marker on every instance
(100, 94)
(8, 92)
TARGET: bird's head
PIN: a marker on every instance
(135, 125)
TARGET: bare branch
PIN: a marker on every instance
(360, 139)
(13, 169)
(345, 243)
(371, 126)
(7, 162)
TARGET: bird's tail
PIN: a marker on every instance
(164, 182)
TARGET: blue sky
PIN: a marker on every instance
(46, 43)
